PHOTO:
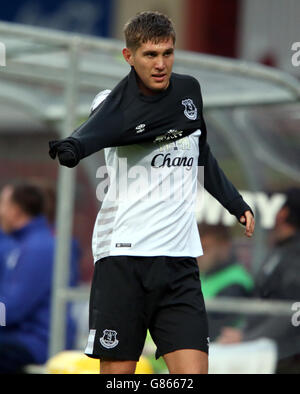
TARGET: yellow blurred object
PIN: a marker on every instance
(75, 362)
(144, 367)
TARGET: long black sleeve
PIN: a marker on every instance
(116, 123)
(215, 181)
(218, 185)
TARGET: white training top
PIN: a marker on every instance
(149, 198)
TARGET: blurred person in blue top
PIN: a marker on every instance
(49, 195)
(25, 285)
(7, 244)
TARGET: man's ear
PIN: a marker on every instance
(128, 56)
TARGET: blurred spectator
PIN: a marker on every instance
(25, 286)
(221, 274)
(279, 279)
(7, 244)
(49, 193)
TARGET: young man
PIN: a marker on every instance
(146, 274)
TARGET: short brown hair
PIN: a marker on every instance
(29, 198)
(148, 26)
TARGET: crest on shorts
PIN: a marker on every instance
(190, 110)
(109, 339)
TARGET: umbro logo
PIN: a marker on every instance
(140, 128)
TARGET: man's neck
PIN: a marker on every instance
(146, 91)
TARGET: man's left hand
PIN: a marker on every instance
(248, 220)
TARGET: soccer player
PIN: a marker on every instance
(146, 274)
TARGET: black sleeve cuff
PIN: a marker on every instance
(68, 150)
(238, 207)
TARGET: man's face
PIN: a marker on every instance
(153, 63)
(9, 211)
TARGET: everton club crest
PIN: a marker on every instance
(190, 110)
(109, 339)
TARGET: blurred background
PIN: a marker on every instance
(244, 54)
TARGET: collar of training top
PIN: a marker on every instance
(133, 86)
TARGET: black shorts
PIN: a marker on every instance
(131, 294)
